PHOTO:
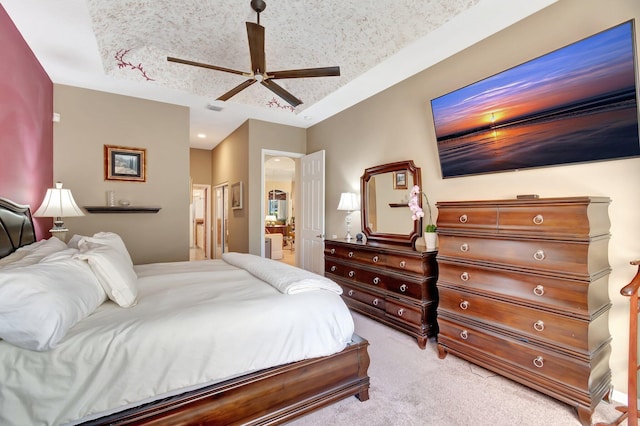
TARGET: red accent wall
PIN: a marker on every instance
(26, 126)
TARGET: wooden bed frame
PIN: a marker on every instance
(266, 397)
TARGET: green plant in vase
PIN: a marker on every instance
(417, 214)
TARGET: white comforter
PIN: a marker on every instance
(195, 323)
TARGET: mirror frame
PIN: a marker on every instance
(400, 239)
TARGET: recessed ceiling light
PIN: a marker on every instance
(202, 135)
(276, 159)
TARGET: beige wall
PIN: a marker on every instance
(91, 119)
(397, 125)
(239, 157)
(229, 164)
(274, 137)
(200, 166)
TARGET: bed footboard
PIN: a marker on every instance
(267, 397)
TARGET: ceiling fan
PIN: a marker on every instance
(255, 34)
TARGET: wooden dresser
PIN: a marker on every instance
(523, 291)
(393, 285)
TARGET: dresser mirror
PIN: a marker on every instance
(385, 193)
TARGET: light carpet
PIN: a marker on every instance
(410, 386)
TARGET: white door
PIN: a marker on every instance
(310, 218)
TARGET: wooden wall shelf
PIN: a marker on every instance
(398, 205)
(121, 209)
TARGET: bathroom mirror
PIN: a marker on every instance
(385, 193)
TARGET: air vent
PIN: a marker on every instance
(214, 107)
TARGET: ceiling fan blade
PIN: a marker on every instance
(201, 65)
(282, 92)
(255, 33)
(240, 87)
(308, 72)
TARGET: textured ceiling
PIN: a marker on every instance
(120, 46)
(353, 34)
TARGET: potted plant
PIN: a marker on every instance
(417, 213)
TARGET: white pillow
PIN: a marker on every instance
(73, 241)
(114, 271)
(39, 303)
(34, 253)
(110, 239)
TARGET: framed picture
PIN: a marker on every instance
(128, 164)
(400, 180)
(577, 104)
(236, 196)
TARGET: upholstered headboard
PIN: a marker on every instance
(16, 227)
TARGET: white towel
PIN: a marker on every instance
(285, 278)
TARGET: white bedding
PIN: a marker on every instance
(195, 323)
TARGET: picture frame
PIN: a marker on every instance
(236, 196)
(125, 164)
(400, 180)
(540, 114)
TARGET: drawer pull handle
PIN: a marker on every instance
(403, 288)
(538, 219)
(400, 312)
(464, 247)
(350, 254)
(375, 302)
(352, 274)
(539, 255)
(376, 280)
(464, 334)
(464, 305)
(375, 259)
(538, 325)
(538, 362)
(403, 263)
(333, 251)
(463, 218)
(333, 268)
(351, 292)
(464, 276)
(539, 290)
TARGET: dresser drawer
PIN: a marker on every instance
(467, 217)
(414, 287)
(582, 298)
(560, 220)
(517, 355)
(354, 273)
(577, 258)
(404, 262)
(404, 312)
(551, 329)
(371, 299)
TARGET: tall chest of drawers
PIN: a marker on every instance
(393, 285)
(523, 291)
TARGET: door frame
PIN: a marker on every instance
(207, 217)
(219, 211)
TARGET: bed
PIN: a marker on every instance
(266, 350)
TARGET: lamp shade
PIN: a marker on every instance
(58, 202)
(270, 218)
(348, 201)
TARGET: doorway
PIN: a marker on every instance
(200, 223)
(279, 191)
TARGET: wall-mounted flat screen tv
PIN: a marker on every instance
(574, 105)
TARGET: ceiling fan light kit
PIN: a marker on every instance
(258, 73)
